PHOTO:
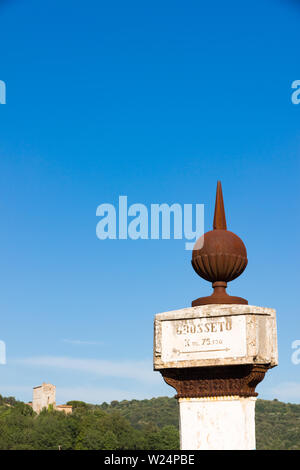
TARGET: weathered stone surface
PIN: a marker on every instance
(215, 335)
(43, 396)
(217, 423)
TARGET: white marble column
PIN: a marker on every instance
(217, 423)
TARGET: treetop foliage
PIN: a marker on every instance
(136, 424)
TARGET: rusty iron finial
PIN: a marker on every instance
(219, 256)
(219, 217)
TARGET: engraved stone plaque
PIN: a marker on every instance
(203, 338)
(213, 335)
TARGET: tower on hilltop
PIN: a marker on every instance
(43, 396)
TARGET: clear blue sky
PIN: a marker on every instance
(153, 100)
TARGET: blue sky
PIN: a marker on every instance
(156, 101)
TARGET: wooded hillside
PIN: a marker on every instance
(136, 424)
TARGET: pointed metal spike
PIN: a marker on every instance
(219, 217)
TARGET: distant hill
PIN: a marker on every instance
(136, 424)
(162, 411)
(277, 425)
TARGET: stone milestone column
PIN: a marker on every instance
(216, 352)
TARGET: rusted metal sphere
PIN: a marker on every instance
(223, 256)
(219, 256)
